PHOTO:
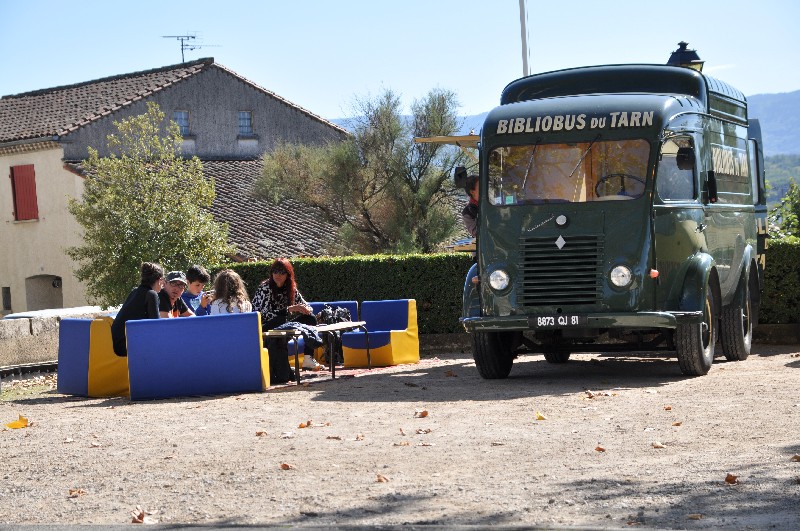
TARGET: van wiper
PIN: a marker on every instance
(588, 149)
(530, 165)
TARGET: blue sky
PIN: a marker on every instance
(323, 54)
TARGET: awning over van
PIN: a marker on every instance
(462, 141)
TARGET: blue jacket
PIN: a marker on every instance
(194, 303)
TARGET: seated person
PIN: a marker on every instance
(229, 294)
(142, 303)
(279, 301)
(195, 298)
(170, 302)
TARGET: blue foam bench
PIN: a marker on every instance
(73, 356)
(218, 354)
(393, 335)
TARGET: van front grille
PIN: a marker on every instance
(569, 275)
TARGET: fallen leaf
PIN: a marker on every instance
(667, 408)
(402, 432)
(287, 466)
(359, 436)
(381, 479)
(796, 458)
(95, 444)
(261, 434)
(69, 440)
(334, 437)
(694, 516)
(731, 479)
(450, 374)
(306, 424)
(677, 423)
(327, 424)
(402, 443)
(423, 431)
(600, 449)
(421, 413)
(423, 443)
(140, 516)
(169, 457)
(657, 444)
(16, 424)
(540, 416)
(74, 493)
(496, 443)
(411, 384)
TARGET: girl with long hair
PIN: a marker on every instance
(230, 294)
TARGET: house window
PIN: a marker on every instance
(182, 119)
(23, 189)
(6, 299)
(245, 123)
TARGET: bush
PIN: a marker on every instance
(436, 281)
(781, 297)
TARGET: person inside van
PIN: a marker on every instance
(470, 213)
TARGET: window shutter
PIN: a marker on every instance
(23, 187)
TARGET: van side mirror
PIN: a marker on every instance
(460, 176)
(711, 186)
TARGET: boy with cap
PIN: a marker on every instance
(195, 298)
(170, 303)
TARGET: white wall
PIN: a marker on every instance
(34, 250)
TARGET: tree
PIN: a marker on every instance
(387, 193)
(786, 215)
(144, 202)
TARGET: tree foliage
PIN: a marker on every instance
(144, 202)
(786, 215)
(387, 193)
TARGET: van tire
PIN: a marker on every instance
(492, 354)
(736, 328)
(695, 342)
(557, 356)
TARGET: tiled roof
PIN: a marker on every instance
(261, 229)
(59, 110)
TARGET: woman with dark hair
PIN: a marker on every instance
(279, 301)
(142, 303)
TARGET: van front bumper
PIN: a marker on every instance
(640, 320)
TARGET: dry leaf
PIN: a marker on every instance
(411, 384)
(796, 458)
(69, 440)
(423, 443)
(495, 443)
(261, 434)
(450, 374)
(730, 479)
(421, 413)
(306, 424)
(140, 516)
(667, 408)
(95, 444)
(74, 493)
(287, 466)
(327, 424)
(694, 516)
(359, 436)
(334, 437)
(423, 431)
(600, 449)
(657, 444)
(381, 479)
(677, 423)
(16, 424)
(539, 416)
(402, 432)
(402, 443)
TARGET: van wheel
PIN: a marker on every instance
(492, 354)
(695, 342)
(556, 356)
(736, 330)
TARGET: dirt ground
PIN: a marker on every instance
(598, 442)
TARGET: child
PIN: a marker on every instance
(230, 294)
(195, 298)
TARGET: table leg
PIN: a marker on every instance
(366, 338)
(296, 361)
(332, 355)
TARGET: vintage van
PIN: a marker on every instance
(622, 209)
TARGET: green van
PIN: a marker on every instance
(622, 209)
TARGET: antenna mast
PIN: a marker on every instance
(185, 44)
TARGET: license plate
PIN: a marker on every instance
(558, 321)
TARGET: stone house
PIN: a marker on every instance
(226, 121)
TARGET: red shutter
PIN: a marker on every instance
(23, 187)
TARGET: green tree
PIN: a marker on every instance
(144, 202)
(387, 193)
(786, 215)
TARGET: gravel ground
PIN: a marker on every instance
(598, 442)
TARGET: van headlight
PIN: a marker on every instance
(498, 280)
(621, 276)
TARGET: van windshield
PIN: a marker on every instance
(575, 173)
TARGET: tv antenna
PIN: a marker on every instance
(187, 45)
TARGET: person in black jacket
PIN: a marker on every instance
(142, 303)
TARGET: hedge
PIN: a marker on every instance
(436, 281)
